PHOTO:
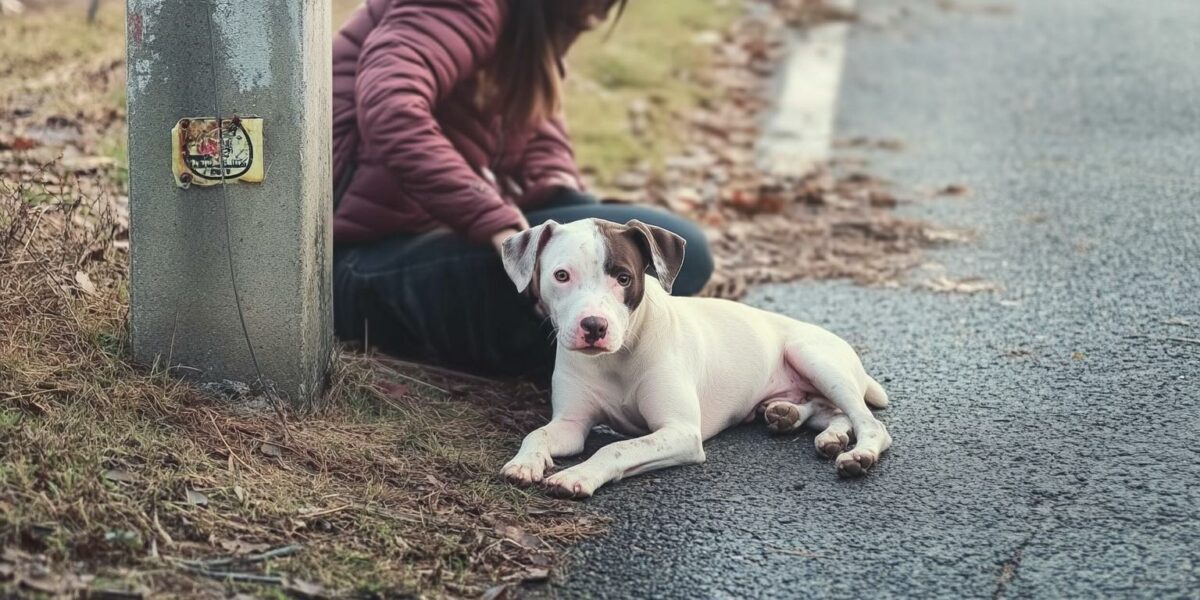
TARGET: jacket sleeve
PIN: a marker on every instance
(548, 163)
(413, 58)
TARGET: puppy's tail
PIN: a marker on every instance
(876, 396)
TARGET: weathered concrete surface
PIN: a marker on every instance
(1041, 449)
(273, 61)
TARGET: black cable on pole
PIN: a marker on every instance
(237, 297)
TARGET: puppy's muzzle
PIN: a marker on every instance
(594, 329)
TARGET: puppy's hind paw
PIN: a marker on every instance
(782, 417)
(831, 443)
(855, 462)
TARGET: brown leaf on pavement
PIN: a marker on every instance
(966, 285)
(955, 189)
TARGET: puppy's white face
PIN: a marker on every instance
(589, 276)
(584, 291)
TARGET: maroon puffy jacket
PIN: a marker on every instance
(404, 112)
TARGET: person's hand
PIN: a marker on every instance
(561, 179)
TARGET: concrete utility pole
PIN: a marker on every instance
(267, 59)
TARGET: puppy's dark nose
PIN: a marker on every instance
(594, 328)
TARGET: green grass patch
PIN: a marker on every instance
(652, 56)
(38, 45)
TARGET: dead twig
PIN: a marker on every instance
(233, 455)
(158, 528)
(387, 365)
(391, 514)
(206, 565)
(327, 511)
(233, 576)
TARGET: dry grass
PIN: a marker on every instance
(112, 475)
(122, 473)
(652, 63)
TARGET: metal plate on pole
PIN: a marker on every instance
(194, 148)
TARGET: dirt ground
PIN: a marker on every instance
(127, 480)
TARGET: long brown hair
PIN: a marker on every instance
(525, 76)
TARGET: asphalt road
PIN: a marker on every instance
(1041, 449)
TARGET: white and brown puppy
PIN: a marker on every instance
(673, 371)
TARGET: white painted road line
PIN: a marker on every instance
(798, 135)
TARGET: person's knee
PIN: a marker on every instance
(697, 262)
(565, 197)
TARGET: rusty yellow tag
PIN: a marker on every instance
(199, 153)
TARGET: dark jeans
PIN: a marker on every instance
(435, 297)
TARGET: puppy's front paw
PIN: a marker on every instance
(831, 443)
(570, 485)
(855, 462)
(782, 417)
(525, 471)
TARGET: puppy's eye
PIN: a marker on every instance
(562, 276)
(624, 279)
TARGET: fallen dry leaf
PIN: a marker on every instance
(890, 144)
(120, 475)
(304, 589)
(85, 283)
(968, 285)
(520, 536)
(955, 189)
(535, 574)
(395, 389)
(936, 235)
(196, 498)
(498, 592)
(19, 144)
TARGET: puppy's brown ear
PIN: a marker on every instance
(521, 251)
(663, 251)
